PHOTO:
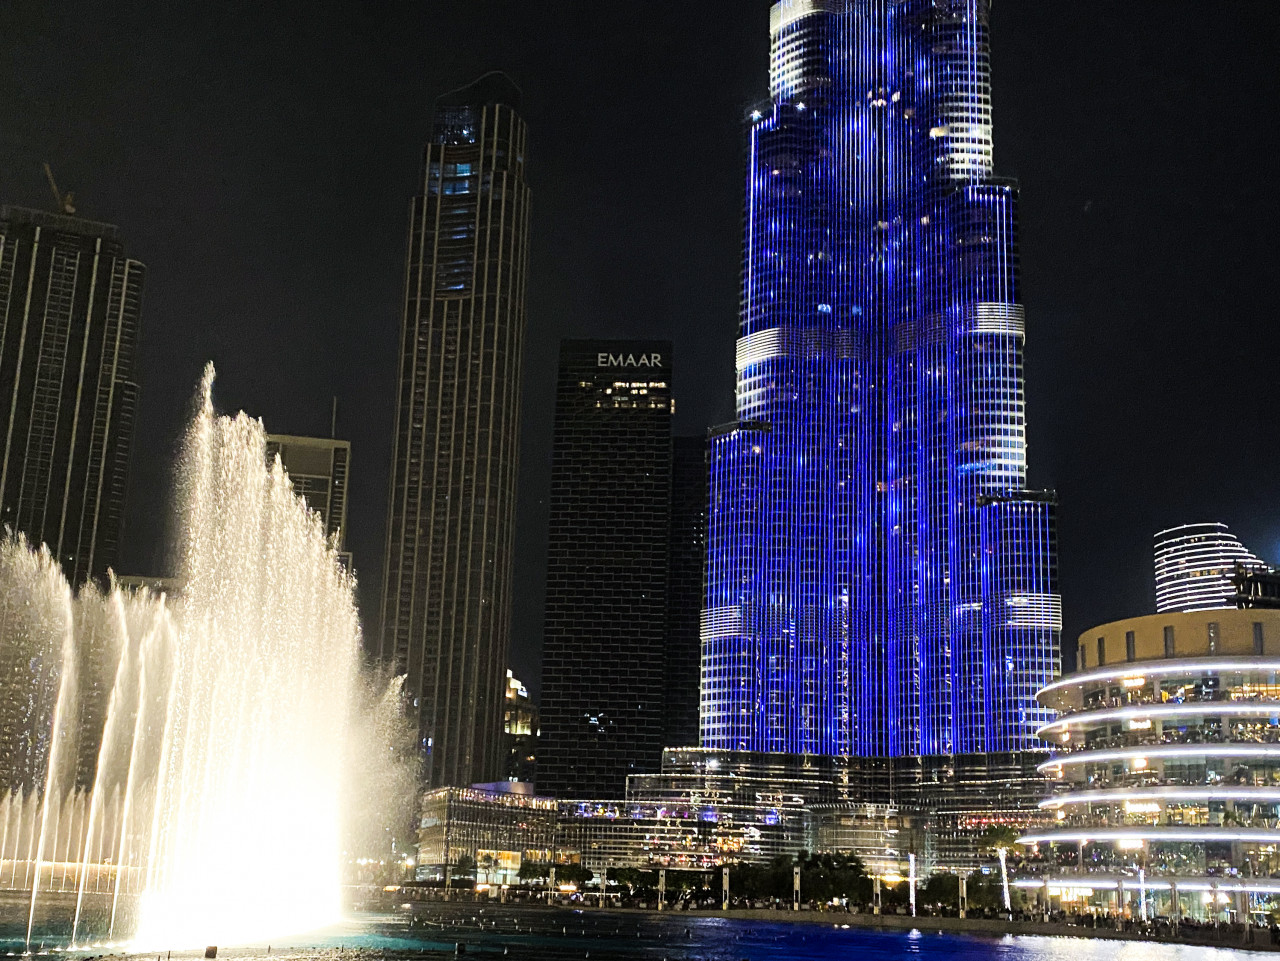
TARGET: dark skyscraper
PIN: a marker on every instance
(604, 634)
(685, 566)
(879, 582)
(446, 599)
(70, 308)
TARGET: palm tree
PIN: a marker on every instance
(1000, 838)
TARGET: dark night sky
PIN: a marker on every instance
(260, 158)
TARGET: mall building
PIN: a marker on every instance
(1165, 769)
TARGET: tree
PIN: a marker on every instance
(574, 874)
(942, 890)
(465, 867)
(824, 877)
(1000, 839)
(534, 871)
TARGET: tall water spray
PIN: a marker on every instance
(177, 765)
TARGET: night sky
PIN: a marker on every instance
(260, 159)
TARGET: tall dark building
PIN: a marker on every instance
(687, 558)
(70, 307)
(446, 599)
(319, 468)
(607, 556)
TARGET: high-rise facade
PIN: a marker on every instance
(686, 561)
(607, 554)
(70, 309)
(1196, 566)
(446, 599)
(319, 468)
(880, 582)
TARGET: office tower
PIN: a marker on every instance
(70, 306)
(446, 598)
(879, 581)
(318, 468)
(607, 552)
(1196, 566)
(688, 555)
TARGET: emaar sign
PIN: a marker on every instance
(628, 360)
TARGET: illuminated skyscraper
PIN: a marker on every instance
(70, 309)
(1195, 564)
(446, 597)
(880, 582)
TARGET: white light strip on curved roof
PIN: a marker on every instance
(1104, 883)
(1139, 833)
(1198, 665)
(1191, 708)
(1163, 751)
(1205, 792)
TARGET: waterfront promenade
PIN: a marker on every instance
(457, 918)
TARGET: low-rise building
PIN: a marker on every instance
(496, 831)
(1166, 773)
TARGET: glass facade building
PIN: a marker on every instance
(1196, 567)
(880, 582)
(605, 629)
(70, 312)
(446, 593)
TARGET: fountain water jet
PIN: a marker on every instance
(186, 753)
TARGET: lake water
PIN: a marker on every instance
(540, 935)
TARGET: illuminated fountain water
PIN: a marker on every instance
(175, 765)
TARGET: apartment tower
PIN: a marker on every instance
(70, 308)
(446, 599)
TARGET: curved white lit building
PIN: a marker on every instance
(1166, 771)
(1195, 564)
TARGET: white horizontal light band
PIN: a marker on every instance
(1201, 708)
(1163, 751)
(1106, 883)
(1202, 665)
(1185, 793)
(1139, 833)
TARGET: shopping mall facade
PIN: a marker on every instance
(1165, 770)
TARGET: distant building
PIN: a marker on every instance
(496, 830)
(520, 732)
(708, 808)
(686, 561)
(1256, 588)
(319, 468)
(1195, 567)
(70, 309)
(605, 629)
(446, 595)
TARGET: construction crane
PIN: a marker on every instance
(66, 202)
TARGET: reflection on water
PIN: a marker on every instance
(540, 935)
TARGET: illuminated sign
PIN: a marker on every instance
(604, 359)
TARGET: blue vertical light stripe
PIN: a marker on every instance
(877, 575)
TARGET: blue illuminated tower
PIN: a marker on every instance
(879, 581)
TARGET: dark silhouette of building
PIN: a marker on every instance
(319, 468)
(608, 550)
(688, 555)
(446, 599)
(70, 308)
